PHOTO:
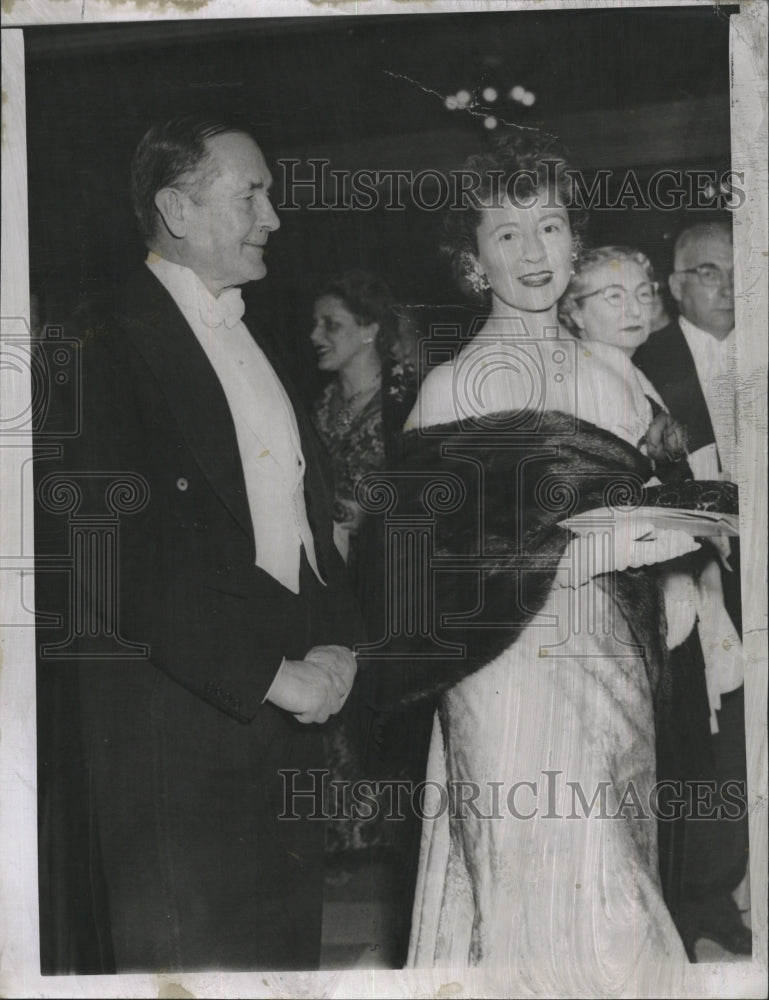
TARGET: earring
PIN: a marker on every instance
(367, 340)
(577, 249)
(473, 274)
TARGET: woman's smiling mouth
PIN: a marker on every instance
(536, 279)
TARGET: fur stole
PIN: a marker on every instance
(481, 502)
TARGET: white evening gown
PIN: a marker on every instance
(568, 906)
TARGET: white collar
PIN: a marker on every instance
(188, 290)
(700, 340)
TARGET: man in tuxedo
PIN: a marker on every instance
(209, 634)
(692, 360)
(692, 364)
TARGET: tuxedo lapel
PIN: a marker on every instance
(667, 362)
(161, 334)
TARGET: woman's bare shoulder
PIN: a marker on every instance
(435, 401)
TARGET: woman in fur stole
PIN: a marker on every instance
(539, 845)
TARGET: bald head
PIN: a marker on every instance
(703, 280)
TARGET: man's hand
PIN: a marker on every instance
(340, 661)
(316, 687)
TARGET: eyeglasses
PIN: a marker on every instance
(617, 296)
(709, 274)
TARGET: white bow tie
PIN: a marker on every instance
(227, 309)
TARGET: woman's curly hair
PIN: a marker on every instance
(519, 164)
(589, 261)
(369, 300)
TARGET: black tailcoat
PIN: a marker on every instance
(707, 858)
(667, 362)
(161, 845)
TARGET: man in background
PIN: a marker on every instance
(692, 360)
(692, 364)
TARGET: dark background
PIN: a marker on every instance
(641, 89)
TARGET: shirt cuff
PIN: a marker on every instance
(277, 672)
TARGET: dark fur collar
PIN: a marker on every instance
(489, 499)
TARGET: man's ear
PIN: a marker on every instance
(674, 284)
(170, 203)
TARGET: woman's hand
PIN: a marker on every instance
(347, 518)
(631, 544)
(348, 513)
(665, 440)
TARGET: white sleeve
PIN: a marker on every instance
(680, 605)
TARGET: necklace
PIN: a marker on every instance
(346, 413)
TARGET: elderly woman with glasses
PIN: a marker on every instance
(612, 297)
(610, 304)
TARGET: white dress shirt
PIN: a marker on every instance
(265, 424)
(716, 365)
(715, 362)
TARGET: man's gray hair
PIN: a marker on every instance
(167, 156)
(699, 231)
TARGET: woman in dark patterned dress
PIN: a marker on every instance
(359, 337)
(361, 411)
